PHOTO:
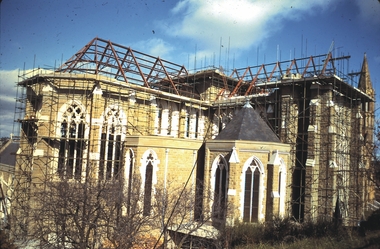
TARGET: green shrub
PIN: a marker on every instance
(281, 231)
(373, 221)
(243, 234)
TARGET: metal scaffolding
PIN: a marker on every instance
(310, 103)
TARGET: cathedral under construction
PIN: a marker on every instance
(290, 138)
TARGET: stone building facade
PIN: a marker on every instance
(248, 147)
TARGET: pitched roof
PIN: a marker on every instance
(248, 125)
(8, 153)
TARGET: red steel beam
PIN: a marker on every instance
(253, 82)
(290, 67)
(75, 58)
(168, 76)
(325, 64)
(274, 69)
(239, 83)
(139, 69)
(307, 65)
(124, 60)
(117, 61)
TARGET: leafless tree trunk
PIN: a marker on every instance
(176, 206)
(90, 213)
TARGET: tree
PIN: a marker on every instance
(176, 207)
(70, 214)
(124, 219)
(92, 213)
(84, 213)
(5, 242)
(373, 147)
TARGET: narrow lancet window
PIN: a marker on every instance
(251, 193)
(220, 190)
(148, 189)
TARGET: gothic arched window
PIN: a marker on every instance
(282, 187)
(220, 188)
(111, 145)
(72, 143)
(148, 182)
(251, 192)
(130, 161)
(148, 189)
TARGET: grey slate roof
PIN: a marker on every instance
(248, 125)
(8, 153)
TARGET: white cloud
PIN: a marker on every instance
(8, 92)
(369, 11)
(155, 47)
(249, 22)
(8, 79)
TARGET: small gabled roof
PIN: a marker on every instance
(248, 125)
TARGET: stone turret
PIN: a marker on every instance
(368, 120)
(365, 83)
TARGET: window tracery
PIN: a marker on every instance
(72, 142)
(220, 188)
(148, 182)
(251, 192)
(111, 145)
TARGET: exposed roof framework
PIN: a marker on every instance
(319, 66)
(124, 64)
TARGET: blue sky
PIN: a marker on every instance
(44, 33)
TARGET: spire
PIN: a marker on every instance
(365, 83)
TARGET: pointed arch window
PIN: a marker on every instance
(129, 176)
(72, 143)
(148, 189)
(251, 193)
(148, 186)
(220, 189)
(282, 175)
(111, 145)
